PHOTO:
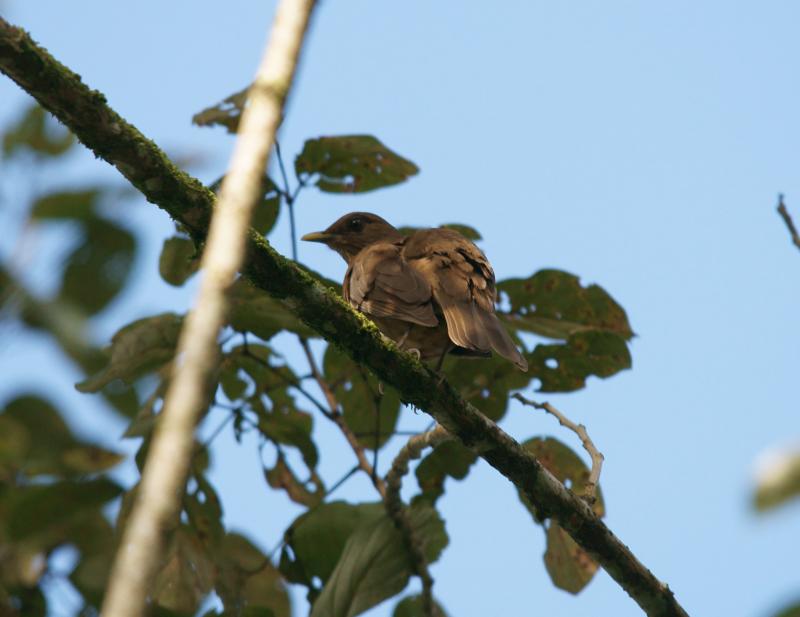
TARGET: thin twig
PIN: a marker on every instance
(590, 490)
(289, 197)
(398, 511)
(784, 212)
(336, 416)
(167, 463)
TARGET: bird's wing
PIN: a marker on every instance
(380, 283)
(463, 286)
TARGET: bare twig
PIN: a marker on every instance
(335, 415)
(784, 212)
(167, 464)
(590, 490)
(399, 513)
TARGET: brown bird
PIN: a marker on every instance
(432, 291)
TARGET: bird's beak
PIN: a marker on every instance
(318, 236)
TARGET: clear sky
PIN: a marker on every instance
(640, 145)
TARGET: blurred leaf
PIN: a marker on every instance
(90, 459)
(204, 512)
(412, 606)
(178, 260)
(225, 113)
(32, 133)
(564, 368)
(282, 477)
(486, 383)
(316, 539)
(136, 349)
(779, 481)
(569, 566)
(792, 610)
(552, 303)
(233, 385)
(65, 205)
(97, 269)
(24, 602)
(450, 458)
(371, 417)
(247, 580)
(375, 564)
(568, 468)
(39, 507)
(266, 211)
(352, 164)
(94, 538)
(187, 574)
(291, 427)
(253, 310)
(14, 444)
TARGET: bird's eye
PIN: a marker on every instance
(355, 224)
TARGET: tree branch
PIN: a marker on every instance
(167, 465)
(784, 212)
(110, 137)
(590, 492)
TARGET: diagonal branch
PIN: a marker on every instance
(110, 137)
(787, 218)
(167, 465)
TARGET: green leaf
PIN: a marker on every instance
(372, 417)
(39, 507)
(253, 310)
(93, 536)
(568, 468)
(291, 427)
(187, 574)
(569, 566)
(412, 606)
(266, 211)
(552, 303)
(352, 164)
(564, 368)
(317, 538)
(450, 458)
(282, 477)
(248, 581)
(204, 512)
(136, 349)
(65, 205)
(793, 610)
(178, 260)
(97, 269)
(32, 133)
(375, 564)
(778, 482)
(226, 113)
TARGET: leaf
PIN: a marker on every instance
(225, 113)
(450, 458)
(187, 574)
(247, 580)
(93, 536)
(568, 468)
(253, 310)
(136, 349)
(293, 428)
(40, 507)
(178, 260)
(32, 133)
(564, 368)
(793, 610)
(412, 606)
(90, 459)
(778, 482)
(569, 566)
(266, 211)
(370, 416)
(351, 164)
(97, 269)
(552, 303)
(282, 477)
(375, 564)
(66, 205)
(317, 538)
(204, 512)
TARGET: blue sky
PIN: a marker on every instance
(639, 145)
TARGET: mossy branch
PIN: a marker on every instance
(111, 138)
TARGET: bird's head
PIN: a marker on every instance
(354, 231)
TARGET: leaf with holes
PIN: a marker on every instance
(569, 566)
(375, 564)
(351, 164)
(136, 349)
(226, 113)
(372, 417)
(282, 477)
(266, 211)
(553, 303)
(449, 459)
(564, 368)
(178, 260)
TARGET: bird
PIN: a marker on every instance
(432, 292)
